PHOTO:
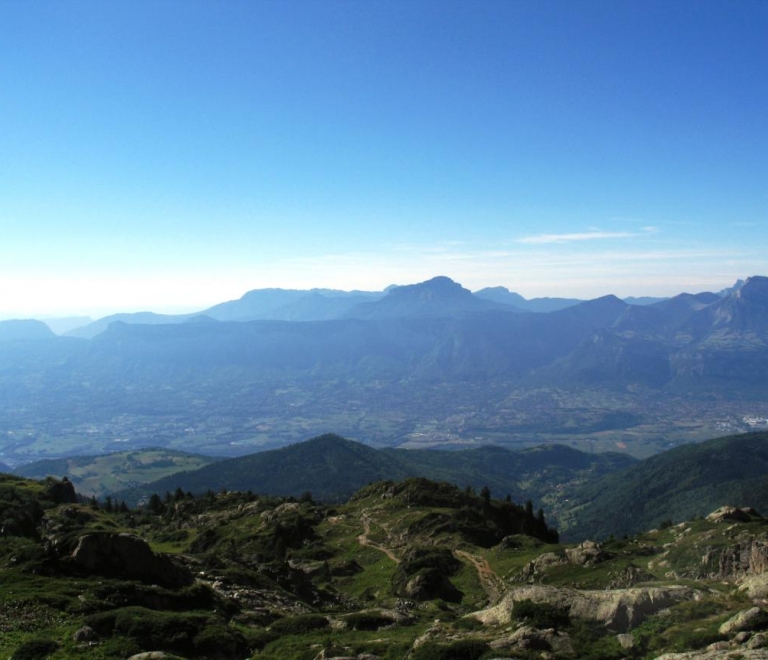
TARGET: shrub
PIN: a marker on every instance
(465, 649)
(35, 649)
(367, 621)
(298, 625)
(540, 615)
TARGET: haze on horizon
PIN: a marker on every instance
(171, 155)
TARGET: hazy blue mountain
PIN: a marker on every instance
(24, 329)
(745, 310)
(440, 296)
(642, 300)
(5, 468)
(331, 467)
(664, 318)
(501, 294)
(731, 289)
(689, 342)
(504, 296)
(290, 305)
(64, 324)
(139, 318)
(432, 348)
(676, 485)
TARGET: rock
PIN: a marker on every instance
(758, 641)
(751, 619)
(629, 577)
(127, 556)
(85, 634)
(586, 554)
(626, 641)
(756, 586)
(619, 610)
(155, 655)
(717, 654)
(729, 514)
(746, 557)
(527, 638)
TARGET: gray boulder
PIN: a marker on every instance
(751, 619)
(128, 556)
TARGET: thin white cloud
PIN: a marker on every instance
(592, 235)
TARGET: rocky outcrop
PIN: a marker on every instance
(732, 514)
(585, 554)
(127, 556)
(747, 556)
(619, 610)
(530, 639)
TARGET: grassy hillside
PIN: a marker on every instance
(676, 485)
(100, 475)
(415, 570)
(332, 468)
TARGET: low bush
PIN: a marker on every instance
(35, 649)
(540, 615)
(298, 625)
(465, 649)
(367, 621)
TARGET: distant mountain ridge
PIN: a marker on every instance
(24, 329)
(326, 304)
(332, 468)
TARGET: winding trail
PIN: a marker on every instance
(365, 541)
(493, 585)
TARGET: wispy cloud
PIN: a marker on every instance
(592, 235)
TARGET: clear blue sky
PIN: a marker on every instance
(170, 155)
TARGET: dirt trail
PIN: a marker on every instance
(365, 541)
(494, 586)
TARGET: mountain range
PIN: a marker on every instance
(437, 297)
(439, 330)
(384, 370)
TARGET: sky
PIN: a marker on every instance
(169, 155)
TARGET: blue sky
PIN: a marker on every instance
(170, 155)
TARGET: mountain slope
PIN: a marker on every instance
(675, 485)
(440, 296)
(100, 475)
(331, 468)
(14, 330)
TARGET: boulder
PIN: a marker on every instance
(529, 639)
(586, 554)
(127, 556)
(756, 586)
(717, 654)
(751, 619)
(619, 609)
(85, 634)
(729, 514)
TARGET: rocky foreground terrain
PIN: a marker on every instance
(415, 569)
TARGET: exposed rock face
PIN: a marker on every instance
(745, 557)
(128, 556)
(619, 610)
